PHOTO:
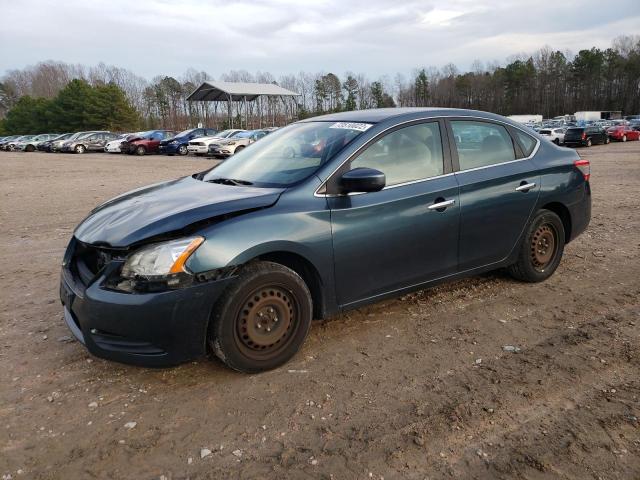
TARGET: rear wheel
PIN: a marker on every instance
(182, 150)
(556, 141)
(262, 319)
(238, 149)
(140, 150)
(541, 249)
(607, 140)
(30, 148)
(80, 149)
(624, 138)
(588, 144)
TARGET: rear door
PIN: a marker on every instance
(397, 237)
(499, 186)
(94, 142)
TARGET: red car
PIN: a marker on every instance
(622, 133)
(145, 142)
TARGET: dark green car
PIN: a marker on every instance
(321, 216)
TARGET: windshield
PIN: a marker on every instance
(287, 156)
(226, 133)
(185, 133)
(243, 134)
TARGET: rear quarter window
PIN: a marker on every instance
(526, 141)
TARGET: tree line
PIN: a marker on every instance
(58, 96)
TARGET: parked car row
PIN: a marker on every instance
(591, 134)
(196, 141)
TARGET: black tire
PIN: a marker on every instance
(30, 148)
(140, 150)
(588, 144)
(556, 141)
(607, 140)
(80, 149)
(266, 296)
(541, 249)
(182, 150)
(239, 148)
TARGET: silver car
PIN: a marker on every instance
(556, 135)
(226, 147)
(31, 144)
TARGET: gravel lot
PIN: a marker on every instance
(418, 387)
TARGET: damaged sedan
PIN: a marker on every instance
(324, 215)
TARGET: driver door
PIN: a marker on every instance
(397, 237)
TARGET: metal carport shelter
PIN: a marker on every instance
(237, 92)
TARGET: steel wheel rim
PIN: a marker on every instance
(266, 322)
(543, 246)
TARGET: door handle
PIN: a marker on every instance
(441, 205)
(525, 187)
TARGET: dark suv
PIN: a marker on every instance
(585, 136)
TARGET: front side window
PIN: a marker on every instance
(404, 155)
(480, 144)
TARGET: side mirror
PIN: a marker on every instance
(362, 180)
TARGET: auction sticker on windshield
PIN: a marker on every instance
(362, 127)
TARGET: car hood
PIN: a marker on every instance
(167, 207)
(207, 139)
(224, 141)
(183, 139)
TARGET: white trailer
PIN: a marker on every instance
(526, 118)
(602, 115)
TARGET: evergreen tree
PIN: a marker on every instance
(351, 87)
(29, 115)
(422, 89)
(69, 109)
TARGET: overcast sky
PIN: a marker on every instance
(375, 37)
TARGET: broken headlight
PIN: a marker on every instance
(160, 265)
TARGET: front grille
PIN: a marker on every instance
(88, 261)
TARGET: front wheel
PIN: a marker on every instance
(238, 149)
(30, 148)
(588, 144)
(556, 141)
(624, 138)
(263, 318)
(140, 150)
(80, 149)
(182, 150)
(607, 140)
(541, 249)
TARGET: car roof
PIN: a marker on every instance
(377, 115)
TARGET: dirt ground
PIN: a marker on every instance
(414, 388)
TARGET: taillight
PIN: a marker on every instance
(584, 136)
(585, 167)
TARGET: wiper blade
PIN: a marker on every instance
(230, 181)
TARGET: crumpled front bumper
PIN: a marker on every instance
(147, 329)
